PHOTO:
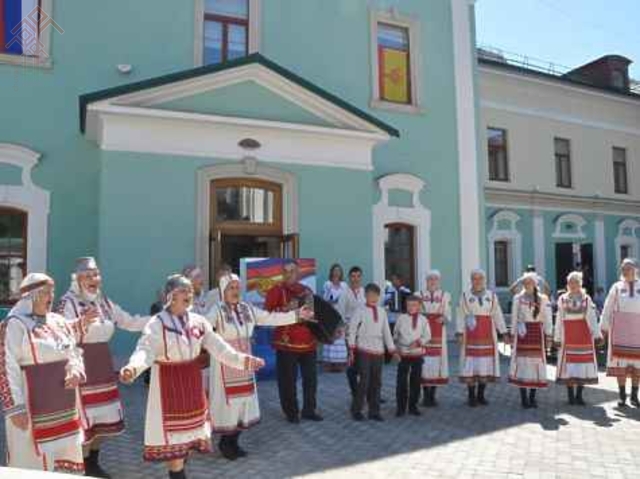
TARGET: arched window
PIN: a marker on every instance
(13, 253)
(399, 253)
(505, 249)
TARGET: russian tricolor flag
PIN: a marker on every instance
(12, 13)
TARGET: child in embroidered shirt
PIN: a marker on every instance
(411, 335)
(368, 334)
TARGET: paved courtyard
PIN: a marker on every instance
(498, 441)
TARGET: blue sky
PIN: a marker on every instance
(565, 32)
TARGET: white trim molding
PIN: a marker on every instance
(412, 24)
(29, 198)
(467, 141)
(255, 30)
(247, 168)
(416, 215)
(624, 238)
(600, 252)
(570, 218)
(513, 237)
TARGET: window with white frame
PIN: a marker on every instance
(13, 253)
(505, 249)
(395, 60)
(230, 30)
(25, 32)
(627, 241)
(497, 152)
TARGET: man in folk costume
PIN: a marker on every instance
(351, 300)
(576, 330)
(531, 331)
(103, 413)
(477, 319)
(436, 305)
(411, 335)
(621, 323)
(295, 347)
(177, 418)
(233, 394)
(40, 370)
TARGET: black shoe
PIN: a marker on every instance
(227, 448)
(376, 417)
(481, 399)
(177, 475)
(472, 401)
(579, 400)
(434, 403)
(622, 394)
(92, 466)
(634, 396)
(313, 416)
(571, 395)
(414, 411)
(293, 419)
(357, 416)
(400, 413)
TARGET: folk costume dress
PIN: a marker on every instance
(621, 322)
(436, 306)
(36, 355)
(233, 394)
(576, 330)
(103, 412)
(177, 417)
(335, 353)
(528, 367)
(478, 317)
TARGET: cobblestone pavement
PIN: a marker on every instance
(452, 441)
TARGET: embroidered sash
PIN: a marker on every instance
(101, 387)
(52, 407)
(184, 405)
(479, 341)
(238, 383)
(531, 345)
(625, 339)
(434, 348)
(578, 343)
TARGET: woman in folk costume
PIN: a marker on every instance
(100, 400)
(177, 419)
(203, 300)
(477, 319)
(233, 394)
(436, 305)
(531, 331)
(621, 323)
(40, 370)
(335, 355)
(575, 332)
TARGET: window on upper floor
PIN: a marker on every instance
(562, 148)
(498, 157)
(13, 253)
(25, 32)
(620, 170)
(226, 30)
(395, 41)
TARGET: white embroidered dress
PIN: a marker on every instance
(479, 355)
(233, 395)
(25, 342)
(623, 302)
(528, 366)
(436, 306)
(102, 409)
(168, 340)
(335, 353)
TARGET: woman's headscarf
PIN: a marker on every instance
(31, 285)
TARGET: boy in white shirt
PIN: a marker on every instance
(368, 335)
(411, 335)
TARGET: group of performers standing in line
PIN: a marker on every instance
(60, 394)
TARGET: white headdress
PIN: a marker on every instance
(434, 273)
(629, 262)
(226, 280)
(29, 288)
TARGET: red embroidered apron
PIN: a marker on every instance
(101, 386)
(531, 345)
(625, 339)
(434, 348)
(479, 342)
(184, 405)
(578, 343)
(53, 408)
(238, 383)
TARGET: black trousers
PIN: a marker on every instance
(369, 370)
(287, 365)
(408, 382)
(352, 378)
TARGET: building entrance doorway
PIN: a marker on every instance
(572, 257)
